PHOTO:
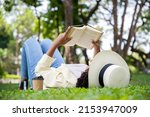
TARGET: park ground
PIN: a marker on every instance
(138, 89)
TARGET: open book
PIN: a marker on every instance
(82, 36)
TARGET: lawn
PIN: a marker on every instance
(138, 89)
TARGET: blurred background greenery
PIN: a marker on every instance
(125, 23)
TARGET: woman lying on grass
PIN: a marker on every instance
(44, 59)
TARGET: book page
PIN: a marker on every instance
(90, 34)
(74, 33)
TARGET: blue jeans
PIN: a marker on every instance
(32, 51)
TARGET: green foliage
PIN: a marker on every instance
(53, 21)
(12, 47)
(146, 21)
(139, 89)
(32, 2)
(1, 71)
(8, 5)
(2, 57)
(135, 63)
(23, 27)
(133, 69)
(5, 32)
(11, 76)
(5, 75)
(7, 61)
(25, 23)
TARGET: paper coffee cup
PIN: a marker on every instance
(37, 83)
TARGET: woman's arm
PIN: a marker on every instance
(47, 59)
(60, 40)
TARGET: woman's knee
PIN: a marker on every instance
(31, 40)
(46, 44)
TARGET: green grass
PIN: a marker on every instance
(139, 89)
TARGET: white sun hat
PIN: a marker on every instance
(108, 69)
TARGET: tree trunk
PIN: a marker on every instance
(57, 22)
(115, 26)
(39, 27)
(122, 28)
(68, 7)
(85, 55)
(70, 54)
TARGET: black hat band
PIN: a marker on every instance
(101, 74)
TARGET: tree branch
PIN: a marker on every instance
(91, 12)
(106, 8)
(122, 24)
(109, 11)
(133, 26)
(107, 19)
(130, 31)
(138, 15)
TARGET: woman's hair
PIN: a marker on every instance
(82, 82)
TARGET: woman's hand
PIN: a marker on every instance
(96, 46)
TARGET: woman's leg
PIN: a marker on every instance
(31, 54)
(24, 71)
(45, 45)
